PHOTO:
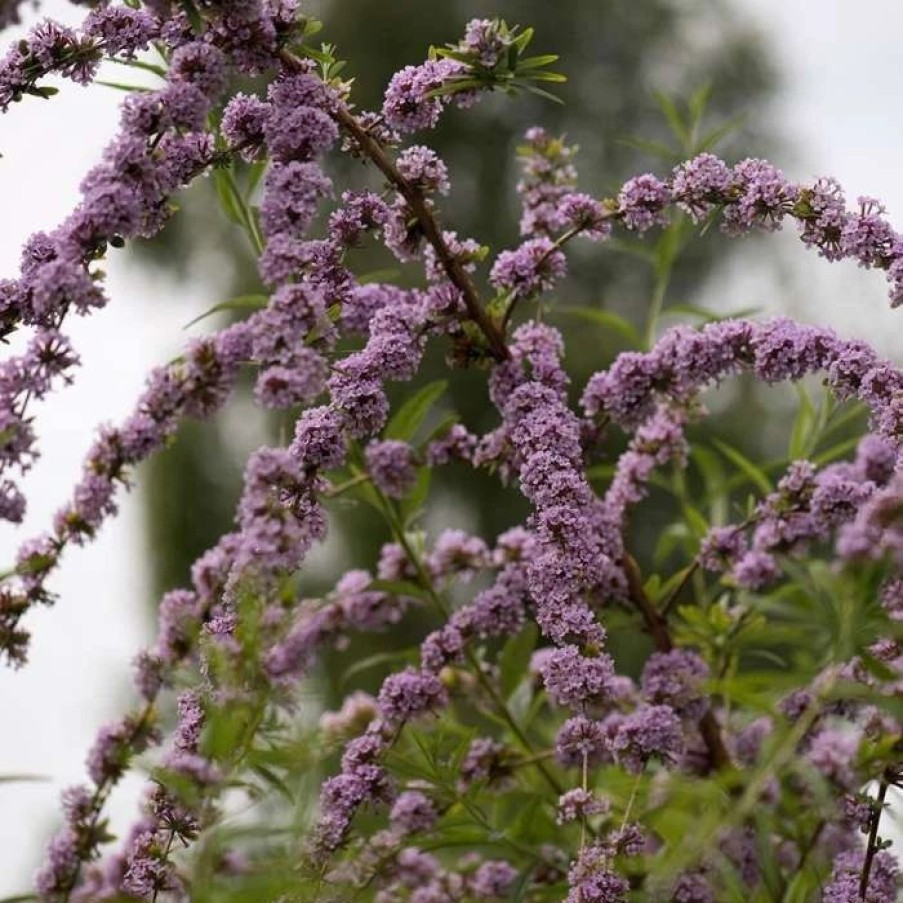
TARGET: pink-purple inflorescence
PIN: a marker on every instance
(238, 642)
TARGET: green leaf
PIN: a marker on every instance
(225, 191)
(696, 521)
(255, 174)
(120, 86)
(752, 472)
(319, 56)
(673, 116)
(139, 64)
(455, 87)
(536, 62)
(714, 137)
(655, 148)
(194, 17)
(836, 451)
(399, 588)
(514, 658)
(520, 887)
(412, 413)
(803, 425)
(539, 92)
(556, 77)
(410, 506)
(240, 302)
(269, 777)
(523, 39)
(23, 778)
(45, 91)
(606, 318)
(441, 428)
(698, 101)
(372, 661)
(378, 276)
(710, 316)
(802, 886)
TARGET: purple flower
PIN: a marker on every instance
(361, 212)
(412, 812)
(407, 106)
(823, 225)
(455, 444)
(200, 64)
(442, 647)
(147, 870)
(755, 570)
(642, 202)
(410, 694)
(675, 678)
(298, 382)
(486, 760)
(292, 192)
(574, 679)
(763, 197)
(578, 805)
(299, 133)
(692, 887)
(548, 177)
(590, 879)
(362, 608)
(531, 269)
(843, 886)
(867, 236)
(319, 442)
(109, 755)
(243, 123)
(357, 711)
(499, 610)
(584, 213)
(699, 184)
(391, 466)
(62, 863)
(581, 738)
(456, 553)
(833, 753)
(423, 169)
(484, 40)
(121, 29)
(721, 547)
(362, 402)
(493, 880)
(651, 732)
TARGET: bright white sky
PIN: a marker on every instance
(842, 70)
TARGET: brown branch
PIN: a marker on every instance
(453, 267)
(661, 637)
(433, 234)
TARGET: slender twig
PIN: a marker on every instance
(675, 593)
(559, 242)
(872, 847)
(804, 856)
(453, 267)
(99, 798)
(629, 807)
(169, 840)
(661, 637)
(341, 488)
(501, 708)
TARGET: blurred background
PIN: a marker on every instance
(815, 93)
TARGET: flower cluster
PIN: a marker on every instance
(553, 674)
